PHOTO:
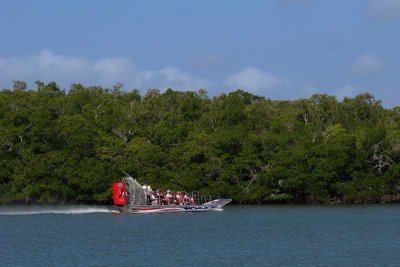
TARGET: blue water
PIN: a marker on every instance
(238, 236)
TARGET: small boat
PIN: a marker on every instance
(130, 196)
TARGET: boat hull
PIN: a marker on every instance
(215, 205)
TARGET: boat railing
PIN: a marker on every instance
(199, 199)
(207, 199)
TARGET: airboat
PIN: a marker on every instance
(131, 197)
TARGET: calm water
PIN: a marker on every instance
(238, 236)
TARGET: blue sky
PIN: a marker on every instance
(281, 49)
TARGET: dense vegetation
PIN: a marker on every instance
(58, 146)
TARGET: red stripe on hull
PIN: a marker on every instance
(152, 210)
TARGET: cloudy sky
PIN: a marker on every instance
(281, 49)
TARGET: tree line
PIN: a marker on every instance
(68, 147)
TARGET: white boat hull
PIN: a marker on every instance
(215, 205)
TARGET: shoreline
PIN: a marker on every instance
(397, 201)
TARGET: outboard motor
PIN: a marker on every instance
(119, 193)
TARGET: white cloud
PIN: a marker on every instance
(347, 91)
(267, 84)
(170, 77)
(48, 66)
(114, 68)
(65, 69)
(367, 64)
(383, 9)
(47, 59)
(255, 80)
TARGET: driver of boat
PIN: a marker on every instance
(147, 192)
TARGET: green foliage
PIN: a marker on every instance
(69, 147)
(19, 85)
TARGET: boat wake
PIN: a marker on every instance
(24, 210)
(218, 209)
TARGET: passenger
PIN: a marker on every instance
(179, 200)
(169, 197)
(153, 198)
(158, 197)
(147, 192)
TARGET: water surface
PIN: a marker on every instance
(238, 236)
